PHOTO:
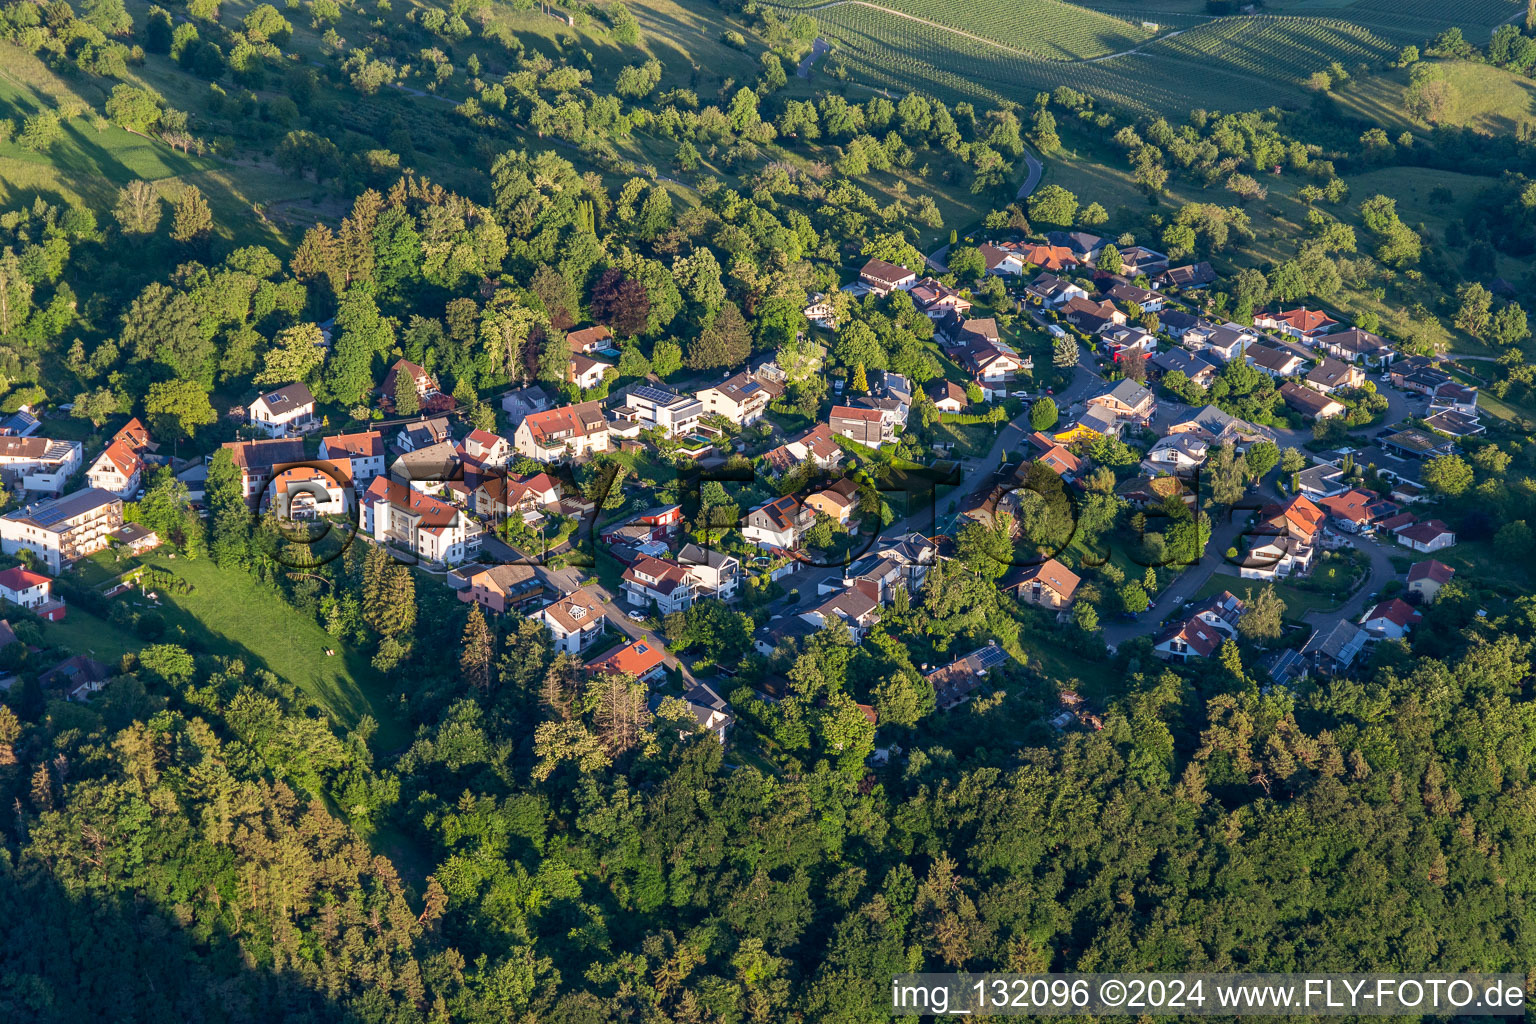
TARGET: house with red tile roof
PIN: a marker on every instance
(32, 590)
(1392, 619)
(658, 580)
(644, 659)
(569, 432)
(1427, 577)
(397, 514)
(363, 452)
(1300, 323)
(117, 470)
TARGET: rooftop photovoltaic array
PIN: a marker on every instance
(989, 656)
(651, 394)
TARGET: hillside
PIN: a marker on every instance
(1487, 99)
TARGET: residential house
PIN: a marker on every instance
(709, 709)
(1187, 638)
(422, 434)
(63, 530)
(1005, 259)
(865, 426)
(644, 659)
(1332, 374)
(647, 407)
(652, 526)
(914, 553)
(1418, 444)
(503, 494)
(1059, 460)
(993, 364)
(1301, 323)
(429, 397)
(1136, 260)
(1189, 277)
(431, 529)
(76, 678)
(1423, 380)
(1454, 424)
(660, 581)
(1083, 246)
(1355, 345)
(946, 395)
(1224, 343)
(853, 607)
(311, 491)
(1046, 585)
(1454, 396)
(1178, 453)
(1322, 481)
(137, 539)
(589, 340)
(20, 423)
(714, 573)
(1126, 401)
(778, 523)
(569, 432)
(524, 402)
(1335, 651)
(1219, 427)
(363, 453)
(1431, 535)
(287, 412)
(255, 459)
(1311, 403)
(882, 278)
(1053, 292)
(1275, 362)
(820, 313)
(586, 372)
(1091, 317)
(1283, 540)
(1046, 257)
(31, 590)
(1153, 491)
(955, 683)
(38, 465)
(575, 621)
(1148, 300)
(1392, 619)
(1175, 323)
(817, 445)
(118, 469)
(1221, 611)
(740, 398)
(935, 300)
(1352, 511)
(1186, 362)
(1128, 341)
(838, 500)
(482, 453)
(504, 588)
(1426, 578)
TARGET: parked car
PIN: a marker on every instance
(635, 616)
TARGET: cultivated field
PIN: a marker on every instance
(1225, 64)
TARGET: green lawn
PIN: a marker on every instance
(1298, 602)
(229, 613)
(84, 633)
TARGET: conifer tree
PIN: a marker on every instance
(475, 659)
(407, 402)
(860, 379)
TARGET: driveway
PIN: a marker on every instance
(1382, 572)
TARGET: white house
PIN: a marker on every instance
(431, 529)
(37, 464)
(286, 412)
(1431, 535)
(647, 407)
(26, 588)
(779, 523)
(118, 470)
(571, 431)
(714, 573)
(576, 621)
(741, 398)
(364, 452)
(658, 580)
(1392, 619)
(63, 530)
(309, 492)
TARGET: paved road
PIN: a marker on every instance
(1381, 573)
(818, 48)
(1036, 168)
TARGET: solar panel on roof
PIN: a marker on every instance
(48, 516)
(651, 394)
(989, 656)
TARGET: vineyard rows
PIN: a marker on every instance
(1044, 28)
(1220, 65)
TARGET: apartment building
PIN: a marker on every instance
(63, 530)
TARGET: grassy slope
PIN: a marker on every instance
(229, 613)
(1488, 99)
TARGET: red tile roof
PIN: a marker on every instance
(1430, 569)
(17, 578)
(637, 659)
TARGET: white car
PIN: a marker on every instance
(1385, 377)
(635, 616)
